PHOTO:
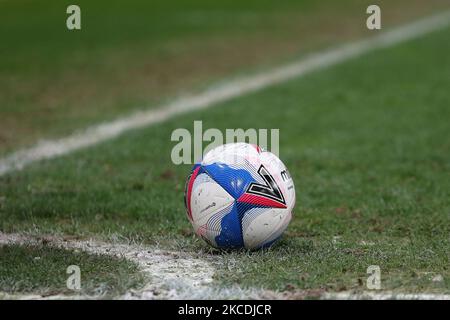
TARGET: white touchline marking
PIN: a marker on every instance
(214, 95)
(170, 274)
(182, 275)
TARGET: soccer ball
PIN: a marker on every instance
(239, 196)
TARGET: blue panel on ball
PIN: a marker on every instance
(234, 181)
(231, 234)
(198, 164)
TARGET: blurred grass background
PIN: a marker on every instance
(137, 54)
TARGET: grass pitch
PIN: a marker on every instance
(367, 143)
(127, 57)
(41, 270)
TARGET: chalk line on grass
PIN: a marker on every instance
(216, 94)
(183, 275)
(170, 274)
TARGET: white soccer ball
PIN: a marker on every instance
(239, 196)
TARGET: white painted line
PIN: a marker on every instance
(211, 97)
(169, 274)
(183, 275)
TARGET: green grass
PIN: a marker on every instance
(41, 269)
(366, 143)
(126, 57)
(54, 81)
